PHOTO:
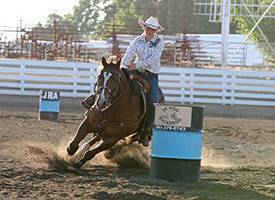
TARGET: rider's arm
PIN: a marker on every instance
(154, 59)
(129, 54)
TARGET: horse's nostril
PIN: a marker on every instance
(102, 104)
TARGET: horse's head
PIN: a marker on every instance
(109, 86)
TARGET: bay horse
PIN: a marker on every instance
(116, 113)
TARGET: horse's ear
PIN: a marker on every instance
(118, 63)
(103, 61)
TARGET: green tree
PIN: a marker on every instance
(245, 24)
(98, 18)
(89, 15)
(175, 15)
(66, 23)
(124, 15)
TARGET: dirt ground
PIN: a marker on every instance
(238, 162)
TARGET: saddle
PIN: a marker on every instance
(144, 83)
(141, 87)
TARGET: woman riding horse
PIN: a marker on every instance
(116, 113)
(147, 48)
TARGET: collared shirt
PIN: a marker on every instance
(147, 53)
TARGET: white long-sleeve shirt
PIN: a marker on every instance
(147, 53)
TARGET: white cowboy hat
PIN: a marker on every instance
(151, 22)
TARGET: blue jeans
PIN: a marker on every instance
(153, 97)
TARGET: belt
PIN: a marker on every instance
(148, 72)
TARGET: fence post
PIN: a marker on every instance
(224, 84)
(232, 85)
(175, 56)
(191, 89)
(75, 70)
(182, 86)
(73, 54)
(22, 81)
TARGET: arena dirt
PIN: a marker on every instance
(238, 162)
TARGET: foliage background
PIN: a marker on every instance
(97, 19)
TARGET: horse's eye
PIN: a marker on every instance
(96, 88)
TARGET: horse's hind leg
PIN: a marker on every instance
(90, 154)
(82, 131)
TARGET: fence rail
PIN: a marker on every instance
(180, 85)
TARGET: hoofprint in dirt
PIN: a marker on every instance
(238, 163)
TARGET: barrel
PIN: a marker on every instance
(49, 105)
(177, 143)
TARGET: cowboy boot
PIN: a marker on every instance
(145, 141)
(161, 97)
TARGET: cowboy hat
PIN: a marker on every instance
(151, 22)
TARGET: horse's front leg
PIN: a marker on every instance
(82, 131)
(108, 143)
(86, 146)
(133, 138)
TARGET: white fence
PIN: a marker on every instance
(180, 85)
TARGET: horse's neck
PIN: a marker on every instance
(123, 108)
(124, 98)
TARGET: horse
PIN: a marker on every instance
(117, 113)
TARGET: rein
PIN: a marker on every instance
(121, 93)
(104, 121)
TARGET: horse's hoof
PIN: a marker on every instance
(78, 164)
(72, 149)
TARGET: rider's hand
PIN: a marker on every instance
(131, 66)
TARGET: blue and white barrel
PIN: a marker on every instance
(49, 105)
(177, 143)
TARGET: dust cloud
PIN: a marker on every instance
(42, 155)
(212, 158)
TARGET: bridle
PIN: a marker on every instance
(123, 86)
(103, 119)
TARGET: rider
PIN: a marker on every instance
(147, 49)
